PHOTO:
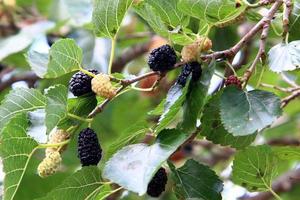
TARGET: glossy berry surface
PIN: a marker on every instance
(158, 183)
(80, 83)
(89, 150)
(162, 58)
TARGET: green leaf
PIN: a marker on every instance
(16, 150)
(159, 109)
(56, 108)
(108, 16)
(38, 56)
(214, 12)
(196, 97)
(130, 136)
(158, 21)
(254, 168)
(287, 153)
(244, 113)
(175, 98)
(285, 57)
(294, 21)
(147, 13)
(86, 183)
(141, 161)
(213, 130)
(105, 192)
(20, 100)
(168, 12)
(196, 181)
(65, 56)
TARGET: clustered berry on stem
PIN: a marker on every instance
(188, 68)
(162, 58)
(158, 183)
(80, 83)
(233, 80)
(89, 149)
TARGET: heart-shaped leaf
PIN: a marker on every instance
(108, 16)
(213, 129)
(285, 57)
(196, 181)
(244, 113)
(255, 168)
(16, 150)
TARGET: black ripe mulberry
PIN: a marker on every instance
(233, 80)
(80, 83)
(162, 58)
(158, 183)
(192, 67)
(89, 150)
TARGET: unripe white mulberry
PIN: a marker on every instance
(58, 136)
(49, 165)
(189, 53)
(102, 86)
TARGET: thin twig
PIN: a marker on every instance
(229, 53)
(288, 99)
(261, 52)
(129, 55)
(286, 14)
(291, 89)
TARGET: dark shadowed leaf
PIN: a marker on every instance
(196, 181)
(244, 113)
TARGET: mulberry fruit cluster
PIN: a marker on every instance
(49, 165)
(233, 80)
(89, 150)
(188, 68)
(102, 86)
(80, 83)
(58, 136)
(158, 183)
(162, 58)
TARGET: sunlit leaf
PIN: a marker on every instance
(141, 161)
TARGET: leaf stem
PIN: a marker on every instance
(112, 54)
(87, 72)
(80, 118)
(43, 146)
(274, 193)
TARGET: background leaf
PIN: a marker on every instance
(16, 150)
(168, 12)
(108, 16)
(20, 100)
(213, 130)
(23, 39)
(214, 12)
(142, 161)
(65, 57)
(56, 108)
(285, 57)
(196, 97)
(194, 180)
(85, 184)
(254, 168)
(175, 98)
(244, 113)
